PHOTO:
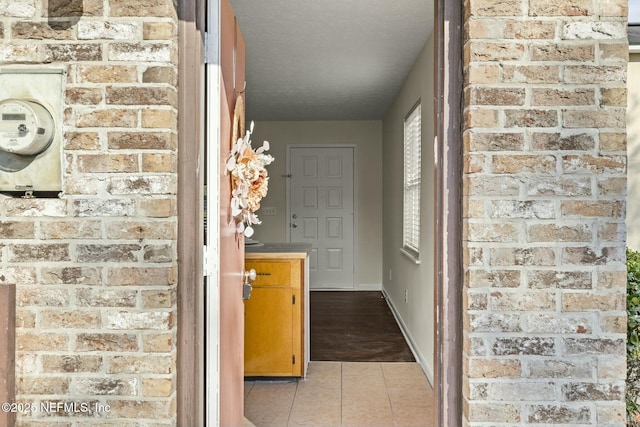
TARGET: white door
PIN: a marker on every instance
(321, 212)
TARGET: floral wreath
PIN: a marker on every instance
(249, 180)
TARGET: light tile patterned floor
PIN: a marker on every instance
(344, 394)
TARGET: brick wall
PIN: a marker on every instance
(95, 269)
(544, 203)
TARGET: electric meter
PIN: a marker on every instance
(26, 127)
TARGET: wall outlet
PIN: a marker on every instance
(406, 295)
(268, 211)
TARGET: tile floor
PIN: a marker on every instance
(344, 394)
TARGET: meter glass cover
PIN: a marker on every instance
(14, 117)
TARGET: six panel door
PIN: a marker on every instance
(322, 212)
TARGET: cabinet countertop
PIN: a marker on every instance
(277, 250)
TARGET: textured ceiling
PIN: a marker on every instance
(329, 59)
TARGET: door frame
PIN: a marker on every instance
(190, 317)
(449, 20)
(190, 345)
(354, 147)
(8, 350)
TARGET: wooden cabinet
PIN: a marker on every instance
(274, 343)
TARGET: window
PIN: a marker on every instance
(412, 178)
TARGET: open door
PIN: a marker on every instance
(225, 247)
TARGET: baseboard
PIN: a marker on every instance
(370, 287)
(412, 344)
(358, 287)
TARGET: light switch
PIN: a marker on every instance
(268, 211)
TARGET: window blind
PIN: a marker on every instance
(412, 178)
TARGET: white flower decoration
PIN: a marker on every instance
(249, 181)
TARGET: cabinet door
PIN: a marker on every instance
(268, 332)
(271, 272)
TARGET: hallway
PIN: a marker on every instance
(344, 394)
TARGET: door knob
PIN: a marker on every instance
(249, 276)
(294, 225)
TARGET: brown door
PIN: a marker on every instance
(231, 246)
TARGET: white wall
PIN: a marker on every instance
(399, 272)
(367, 137)
(633, 153)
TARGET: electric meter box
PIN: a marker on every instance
(31, 130)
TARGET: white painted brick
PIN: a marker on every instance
(143, 320)
(143, 185)
(37, 208)
(105, 386)
(595, 30)
(17, 8)
(523, 391)
(523, 209)
(98, 207)
(140, 52)
(95, 30)
(28, 53)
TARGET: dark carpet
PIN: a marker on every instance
(355, 327)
